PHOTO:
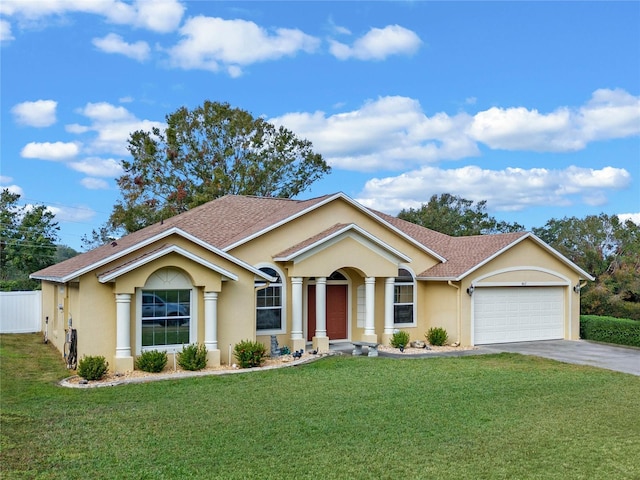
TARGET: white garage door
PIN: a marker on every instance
(518, 314)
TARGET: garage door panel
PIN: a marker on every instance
(518, 314)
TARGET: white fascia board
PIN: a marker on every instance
(161, 253)
(344, 232)
(561, 257)
(351, 201)
(155, 238)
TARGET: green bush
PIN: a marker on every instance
(284, 350)
(193, 357)
(92, 368)
(621, 331)
(249, 354)
(152, 361)
(437, 336)
(399, 339)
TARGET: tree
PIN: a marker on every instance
(609, 250)
(210, 151)
(27, 238)
(457, 217)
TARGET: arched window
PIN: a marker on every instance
(165, 305)
(269, 302)
(403, 298)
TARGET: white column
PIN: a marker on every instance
(296, 304)
(211, 320)
(369, 310)
(123, 325)
(321, 307)
(389, 291)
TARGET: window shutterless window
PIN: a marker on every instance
(166, 317)
(403, 297)
(269, 303)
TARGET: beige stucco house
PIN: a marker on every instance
(310, 272)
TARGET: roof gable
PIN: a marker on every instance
(333, 235)
(163, 250)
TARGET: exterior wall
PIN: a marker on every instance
(348, 255)
(441, 306)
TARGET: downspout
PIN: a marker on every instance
(458, 320)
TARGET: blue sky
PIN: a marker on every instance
(534, 107)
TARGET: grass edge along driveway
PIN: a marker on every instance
(487, 416)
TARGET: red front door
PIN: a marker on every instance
(336, 312)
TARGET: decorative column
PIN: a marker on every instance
(389, 291)
(369, 310)
(297, 340)
(123, 359)
(321, 341)
(211, 328)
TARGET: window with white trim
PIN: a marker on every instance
(165, 305)
(269, 302)
(403, 298)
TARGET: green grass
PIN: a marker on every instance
(484, 417)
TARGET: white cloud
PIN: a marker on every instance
(5, 31)
(634, 217)
(216, 44)
(91, 183)
(41, 113)
(511, 189)
(393, 133)
(79, 214)
(388, 133)
(378, 44)
(113, 43)
(50, 151)
(98, 167)
(4, 181)
(113, 126)
(156, 15)
(608, 114)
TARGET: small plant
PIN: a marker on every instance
(250, 354)
(437, 336)
(284, 350)
(92, 368)
(152, 361)
(193, 357)
(399, 339)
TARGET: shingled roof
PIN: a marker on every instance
(463, 254)
(231, 220)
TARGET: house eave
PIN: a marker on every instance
(226, 275)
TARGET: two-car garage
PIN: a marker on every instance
(518, 314)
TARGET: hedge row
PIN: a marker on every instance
(621, 331)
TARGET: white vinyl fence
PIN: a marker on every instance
(20, 312)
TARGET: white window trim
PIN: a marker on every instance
(193, 321)
(414, 303)
(283, 307)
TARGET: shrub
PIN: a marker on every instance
(249, 354)
(437, 336)
(193, 357)
(92, 368)
(152, 361)
(399, 339)
(621, 331)
(284, 350)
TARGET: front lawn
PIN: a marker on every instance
(481, 417)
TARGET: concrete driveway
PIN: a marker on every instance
(620, 359)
